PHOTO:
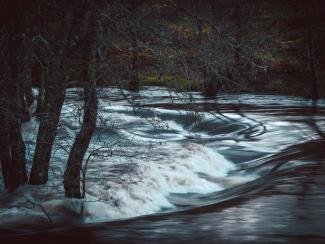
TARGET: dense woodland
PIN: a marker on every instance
(264, 46)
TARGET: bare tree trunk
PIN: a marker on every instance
(74, 165)
(12, 155)
(237, 20)
(53, 102)
(133, 31)
(134, 79)
(4, 158)
(24, 78)
(12, 147)
(27, 73)
(17, 168)
(4, 136)
(81, 143)
(202, 49)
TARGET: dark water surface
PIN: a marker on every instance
(277, 145)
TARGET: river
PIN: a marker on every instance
(169, 167)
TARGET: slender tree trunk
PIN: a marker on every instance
(81, 143)
(74, 164)
(27, 72)
(12, 155)
(17, 169)
(53, 102)
(134, 66)
(134, 79)
(203, 50)
(24, 79)
(237, 20)
(12, 148)
(208, 82)
(4, 137)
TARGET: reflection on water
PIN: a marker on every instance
(239, 168)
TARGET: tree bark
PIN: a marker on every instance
(53, 102)
(12, 154)
(17, 168)
(55, 58)
(134, 79)
(12, 147)
(27, 74)
(4, 137)
(81, 143)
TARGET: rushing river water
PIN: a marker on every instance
(172, 167)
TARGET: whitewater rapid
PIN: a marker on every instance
(156, 156)
(146, 157)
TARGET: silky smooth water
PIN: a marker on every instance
(170, 167)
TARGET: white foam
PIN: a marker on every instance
(147, 191)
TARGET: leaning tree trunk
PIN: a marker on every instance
(17, 168)
(53, 102)
(12, 147)
(81, 143)
(12, 153)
